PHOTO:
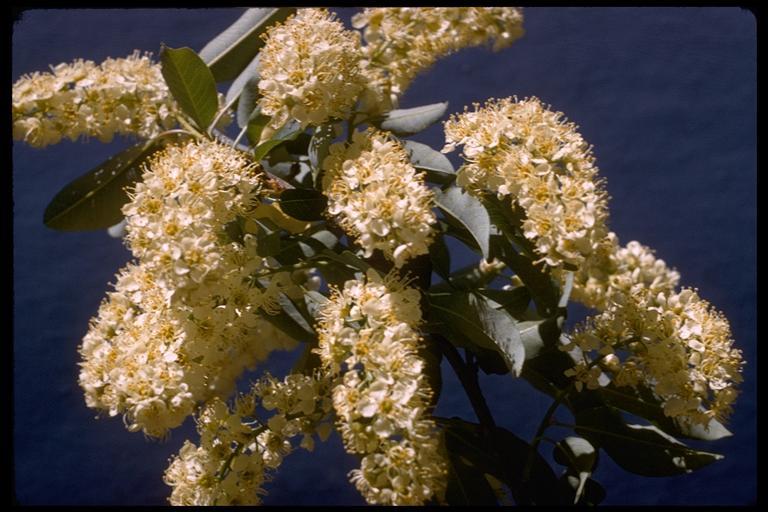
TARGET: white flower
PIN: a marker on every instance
(309, 70)
(382, 395)
(402, 42)
(524, 150)
(676, 344)
(120, 96)
(379, 197)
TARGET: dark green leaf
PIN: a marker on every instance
(297, 311)
(537, 335)
(489, 328)
(268, 244)
(514, 301)
(290, 321)
(314, 301)
(460, 207)
(191, 84)
(413, 120)
(229, 52)
(318, 147)
(347, 258)
(713, 431)
(641, 401)
(249, 74)
(437, 166)
(466, 484)
(303, 203)
(288, 132)
(327, 239)
(593, 493)
(298, 146)
(504, 455)
(576, 453)
(641, 449)
(247, 106)
(469, 278)
(544, 291)
(441, 257)
(95, 199)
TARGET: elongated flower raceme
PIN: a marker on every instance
(674, 343)
(152, 359)
(309, 70)
(523, 150)
(81, 99)
(178, 218)
(368, 337)
(184, 323)
(379, 197)
(238, 451)
(612, 268)
(401, 42)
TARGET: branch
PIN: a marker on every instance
(469, 381)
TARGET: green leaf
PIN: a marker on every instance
(297, 312)
(319, 146)
(413, 120)
(256, 123)
(463, 209)
(191, 84)
(504, 455)
(95, 199)
(514, 301)
(469, 278)
(580, 457)
(315, 302)
(229, 52)
(641, 401)
(249, 74)
(347, 258)
(641, 449)
(466, 484)
(544, 290)
(437, 166)
(290, 321)
(440, 257)
(303, 203)
(537, 335)
(288, 132)
(593, 493)
(712, 431)
(268, 244)
(576, 453)
(248, 106)
(489, 328)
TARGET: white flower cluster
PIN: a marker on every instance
(524, 150)
(674, 343)
(309, 70)
(614, 268)
(379, 196)
(368, 336)
(179, 211)
(81, 99)
(183, 324)
(236, 449)
(401, 42)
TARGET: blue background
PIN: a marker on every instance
(666, 96)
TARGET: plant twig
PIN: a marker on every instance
(469, 381)
(546, 421)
